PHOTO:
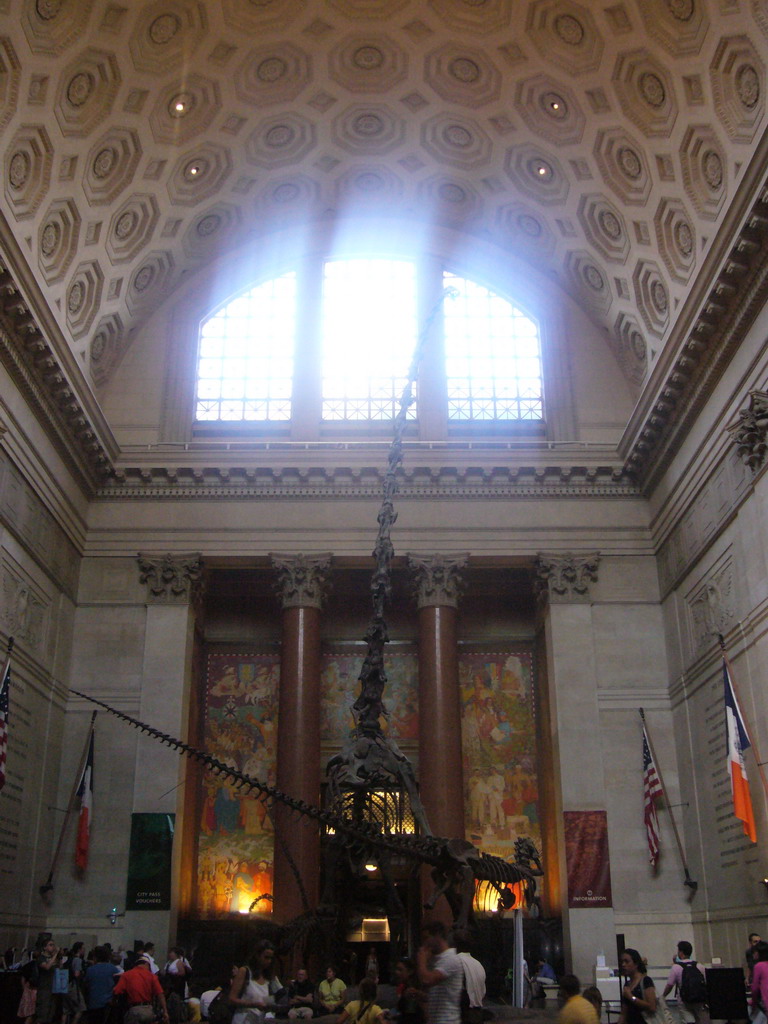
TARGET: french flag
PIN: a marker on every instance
(738, 742)
(85, 792)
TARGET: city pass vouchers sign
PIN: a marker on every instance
(586, 857)
(149, 862)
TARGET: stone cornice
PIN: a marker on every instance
(345, 481)
(706, 344)
(74, 424)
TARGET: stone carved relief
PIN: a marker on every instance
(28, 519)
(170, 579)
(565, 577)
(722, 492)
(437, 579)
(24, 609)
(711, 607)
(303, 581)
(750, 432)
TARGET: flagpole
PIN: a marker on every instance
(688, 880)
(747, 729)
(48, 885)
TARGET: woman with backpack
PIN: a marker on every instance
(363, 1010)
(177, 972)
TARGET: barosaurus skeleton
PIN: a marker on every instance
(456, 862)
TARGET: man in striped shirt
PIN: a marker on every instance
(441, 972)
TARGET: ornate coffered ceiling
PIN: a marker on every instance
(608, 144)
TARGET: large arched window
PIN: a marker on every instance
(339, 339)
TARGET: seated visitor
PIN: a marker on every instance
(365, 1009)
(331, 992)
(301, 996)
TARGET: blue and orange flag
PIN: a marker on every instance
(738, 741)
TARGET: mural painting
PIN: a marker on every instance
(500, 748)
(339, 687)
(236, 841)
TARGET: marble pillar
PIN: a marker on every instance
(172, 598)
(302, 582)
(438, 584)
(565, 587)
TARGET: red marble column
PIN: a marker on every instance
(441, 780)
(302, 585)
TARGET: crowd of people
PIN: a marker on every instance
(70, 986)
(445, 984)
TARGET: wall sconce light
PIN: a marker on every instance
(113, 916)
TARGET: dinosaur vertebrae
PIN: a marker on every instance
(426, 849)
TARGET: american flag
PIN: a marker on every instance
(5, 686)
(651, 792)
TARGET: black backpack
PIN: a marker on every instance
(693, 985)
(220, 1009)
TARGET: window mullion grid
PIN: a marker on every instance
(432, 408)
(307, 374)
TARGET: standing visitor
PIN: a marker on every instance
(411, 998)
(141, 988)
(441, 972)
(638, 996)
(687, 979)
(178, 971)
(46, 1008)
(760, 978)
(750, 956)
(99, 984)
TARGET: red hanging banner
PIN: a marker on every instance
(587, 860)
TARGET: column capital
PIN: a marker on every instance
(750, 432)
(170, 579)
(302, 580)
(565, 577)
(437, 579)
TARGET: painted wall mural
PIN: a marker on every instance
(499, 748)
(341, 666)
(236, 840)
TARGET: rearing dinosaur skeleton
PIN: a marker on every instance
(454, 860)
(370, 760)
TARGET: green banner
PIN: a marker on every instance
(149, 862)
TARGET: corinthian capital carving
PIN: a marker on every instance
(750, 432)
(437, 579)
(302, 580)
(170, 579)
(566, 577)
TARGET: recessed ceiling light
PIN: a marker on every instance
(180, 104)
